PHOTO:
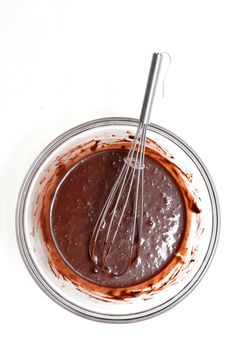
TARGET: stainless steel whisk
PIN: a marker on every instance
(101, 243)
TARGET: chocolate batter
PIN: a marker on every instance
(79, 199)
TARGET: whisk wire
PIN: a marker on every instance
(107, 206)
(127, 179)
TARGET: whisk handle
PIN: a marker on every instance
(151, 87)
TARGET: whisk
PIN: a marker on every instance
(128, 183)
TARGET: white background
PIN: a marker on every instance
(66, 62)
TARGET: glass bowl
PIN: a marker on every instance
(203, 235)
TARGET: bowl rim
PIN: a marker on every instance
(37, 276)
